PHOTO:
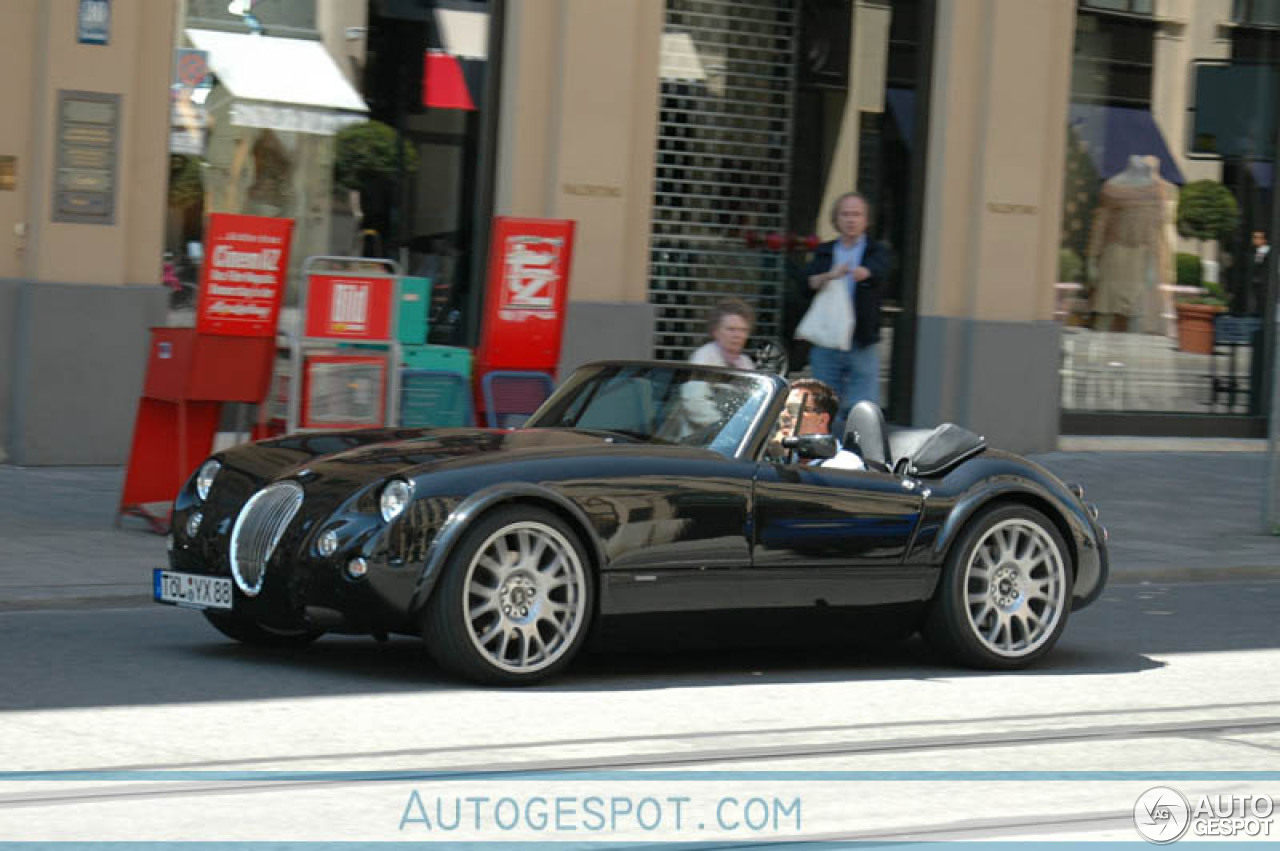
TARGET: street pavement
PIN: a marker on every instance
(1178, 514)
(144, 725)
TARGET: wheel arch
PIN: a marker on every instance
(479, 505)
(963, 514)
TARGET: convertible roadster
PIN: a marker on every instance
(640, 496)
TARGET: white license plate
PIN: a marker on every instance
(186, 589)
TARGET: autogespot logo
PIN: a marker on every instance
(1161, 815)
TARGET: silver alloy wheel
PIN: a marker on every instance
(1015, 588)
(525, 599)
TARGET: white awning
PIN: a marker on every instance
(281, 83)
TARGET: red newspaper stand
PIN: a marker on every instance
(526, 298)
(346, 361)
(227, 357)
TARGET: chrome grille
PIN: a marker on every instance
(258, 529)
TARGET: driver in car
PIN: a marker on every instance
(811, 409)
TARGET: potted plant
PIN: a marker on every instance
(1206, 211)
(1196, 315)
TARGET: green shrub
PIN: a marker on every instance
(366, 154)
(1216, 293)
(1207, 210)
(1070, 267)
(1188, 270)
(186, 180)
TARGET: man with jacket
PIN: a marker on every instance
(855, 261)
(811, 409)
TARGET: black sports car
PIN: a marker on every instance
(641, 494)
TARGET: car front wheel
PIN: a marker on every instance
(512, 605)
(1005, 592)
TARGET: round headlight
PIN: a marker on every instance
(328, 543)
(395, 496)
(204, 479)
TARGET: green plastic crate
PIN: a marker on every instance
(415, 301)
(432, 398)
(446, 358)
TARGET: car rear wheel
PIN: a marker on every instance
(1005, 593)
(252, 632)
(512, 605)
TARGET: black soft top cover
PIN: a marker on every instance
(932, 451)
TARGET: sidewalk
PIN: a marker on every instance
(1172, 515)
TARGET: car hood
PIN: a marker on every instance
(378, 455)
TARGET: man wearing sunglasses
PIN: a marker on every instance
(811, 409)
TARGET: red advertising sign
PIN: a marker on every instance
(528, 291)
(350, 307)
(242, 280)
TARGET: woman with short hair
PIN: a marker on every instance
(729, 326)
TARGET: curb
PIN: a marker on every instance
(1148, 575)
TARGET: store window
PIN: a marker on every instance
(1256, 13)
(257, 101)
(431, 80)
(1163, 262)
(294, 18)
(369, 128)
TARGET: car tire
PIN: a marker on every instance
(1005, 592)
(251, 632)
(513, 603)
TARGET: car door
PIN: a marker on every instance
(832, 537)
(674, 525)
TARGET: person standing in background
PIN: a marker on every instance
(855, 261)
(1256, 294)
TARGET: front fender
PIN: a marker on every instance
(476, 505)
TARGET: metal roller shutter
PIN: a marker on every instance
(723, 164)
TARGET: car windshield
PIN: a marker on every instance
(680, 404)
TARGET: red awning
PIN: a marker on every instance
(443, 85)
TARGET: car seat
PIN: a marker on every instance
(867, 434)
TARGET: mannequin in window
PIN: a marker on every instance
(1129, 250)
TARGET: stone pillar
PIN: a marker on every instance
(987, 347)
(76, 298)
(576, 140)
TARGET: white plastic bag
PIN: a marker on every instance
(829, 320)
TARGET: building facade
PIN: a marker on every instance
(81, 213)
(1027, 163)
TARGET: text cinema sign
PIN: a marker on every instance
(242, 280)
(350, 307)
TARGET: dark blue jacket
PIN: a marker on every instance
(866, 302)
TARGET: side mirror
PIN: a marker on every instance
(812, 446)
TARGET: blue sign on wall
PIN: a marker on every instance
(94, 22)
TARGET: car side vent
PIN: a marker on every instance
(258, 529)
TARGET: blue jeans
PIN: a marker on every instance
(854, 374)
